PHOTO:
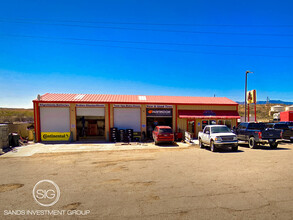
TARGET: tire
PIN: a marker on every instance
(274, 145)
(252, 143)
(291, 141)
(212, 145)
(235, 148)
(200, 143)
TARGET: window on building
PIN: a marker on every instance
(204, 123)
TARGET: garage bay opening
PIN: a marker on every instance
(157, 117)
(90, 123)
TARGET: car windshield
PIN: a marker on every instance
(222, 129)
(165, 130)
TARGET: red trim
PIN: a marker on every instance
(109, 118)
(176, 118)
(39, 123)
(136, 103)
(35, 120)
(208, 117)
(248, 112)
(255, 111)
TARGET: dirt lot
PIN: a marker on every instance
(189, 183)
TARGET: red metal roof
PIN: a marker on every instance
(99, 98)
(208, 114)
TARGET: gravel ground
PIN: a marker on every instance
(157, 183)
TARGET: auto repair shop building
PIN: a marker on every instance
(64, 117)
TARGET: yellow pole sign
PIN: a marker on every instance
(55, 136)
(251, 97)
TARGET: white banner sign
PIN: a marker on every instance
(53, 105)
(126, 106)
(90, 105)
(159, 106)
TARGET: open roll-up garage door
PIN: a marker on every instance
(127, 118)
(55, 119)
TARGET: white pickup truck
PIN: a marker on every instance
(217, 136)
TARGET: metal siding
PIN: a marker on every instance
(206, 107)
(96, 98)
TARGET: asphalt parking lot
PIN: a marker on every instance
(155, 183)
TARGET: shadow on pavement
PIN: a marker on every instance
(174, 144)
(223, 150)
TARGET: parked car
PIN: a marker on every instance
(163, 134)
(217, 136)
(287, 133)
(256, 133)
(289, 123)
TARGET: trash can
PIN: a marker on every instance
(14, 139)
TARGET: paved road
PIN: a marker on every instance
(171, 183)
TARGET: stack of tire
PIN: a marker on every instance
(114, 134)
(129, 135)
(122, 135)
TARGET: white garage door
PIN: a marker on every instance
(90, 111)
(127, 118)
(55, 119)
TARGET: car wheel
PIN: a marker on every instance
(274, 145)
(213, 148)
(252, 144)
(235, 148)
(200, 143)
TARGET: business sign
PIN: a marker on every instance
(55, 136)
(126, 106)
(159, 106)
(251, 96)
(53, 105)
(159, 112)
(91, 105)
(209, 113)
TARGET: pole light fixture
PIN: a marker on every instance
(246, 91)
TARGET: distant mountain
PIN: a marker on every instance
(271, 102)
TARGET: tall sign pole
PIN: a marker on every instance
(254, 96)
(246, 91)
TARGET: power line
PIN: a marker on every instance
(152, 43)
(146, 29)
(168, 50)
(150, 24)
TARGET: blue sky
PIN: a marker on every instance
(189, 48)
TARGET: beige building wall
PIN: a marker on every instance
(107, 129)
(174, 119)
(206, 107)
(143, 119)
(73, 120)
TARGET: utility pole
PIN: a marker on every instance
(246, 91)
